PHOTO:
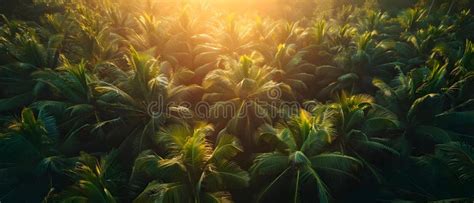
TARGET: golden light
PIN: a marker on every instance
(234, 5)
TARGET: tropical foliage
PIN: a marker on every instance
(236, 101)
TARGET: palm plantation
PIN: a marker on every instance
(236, 101)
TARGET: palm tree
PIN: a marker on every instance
(292, 69)
(247, 89)
(30, 160)
(429, 120)
(234, 36)
(24, 54)
(422, 101)
(321, 44)
(425, 41)
(143, 99)
(194, 48)
(76, 106)
(95, 180)
(374, 21)
(411, 18)
(264, 31)
(91, 37)
(360, 123)
(193, 170)
(459, 158)
(361, 112)
(150, 34)
(299, 159)
(359, 64)
(450, 165)
(182, 42)
(464, 63)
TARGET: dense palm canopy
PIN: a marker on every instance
(300, 159)
(236, 101)
(191, 166)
